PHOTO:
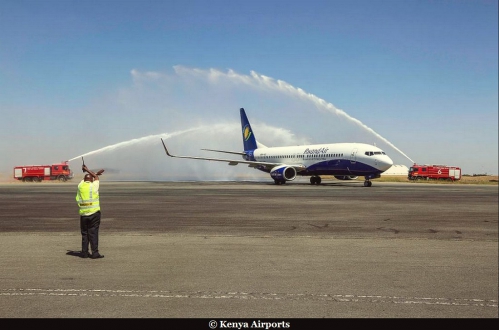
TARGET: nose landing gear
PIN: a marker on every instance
(368, 178)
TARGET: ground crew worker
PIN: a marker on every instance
(87, 198)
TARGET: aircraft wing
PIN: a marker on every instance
(227, 152)
(233, 162)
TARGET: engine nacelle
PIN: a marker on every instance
(283, 172)
(346, 177)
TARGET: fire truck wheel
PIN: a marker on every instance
(35, 179)
(62, 178)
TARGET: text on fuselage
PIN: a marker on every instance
(309, 151)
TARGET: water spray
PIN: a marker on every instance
(259, 81)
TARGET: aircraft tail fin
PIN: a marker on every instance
(249, 140)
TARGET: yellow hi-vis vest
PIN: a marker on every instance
(87, 198)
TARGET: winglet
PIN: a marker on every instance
(166, 150)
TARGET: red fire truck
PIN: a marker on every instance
(37, 173)
(435, 172)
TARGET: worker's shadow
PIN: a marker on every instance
(73, 253)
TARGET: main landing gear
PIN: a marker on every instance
(367, 183)
(315, 180)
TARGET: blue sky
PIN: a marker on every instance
(421, 78)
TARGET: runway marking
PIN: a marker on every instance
(252, 296)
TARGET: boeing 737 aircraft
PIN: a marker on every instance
(344, 161)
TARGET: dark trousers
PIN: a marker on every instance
(89, 225)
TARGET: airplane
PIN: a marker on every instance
(344, 161)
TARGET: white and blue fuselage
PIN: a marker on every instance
(337, 159)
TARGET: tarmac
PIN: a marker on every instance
(252, 250)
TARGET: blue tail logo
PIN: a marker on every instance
(246, 132)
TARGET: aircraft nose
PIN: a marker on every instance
(386, 163)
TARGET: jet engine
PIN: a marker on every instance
(283, 173)
(346, 177)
